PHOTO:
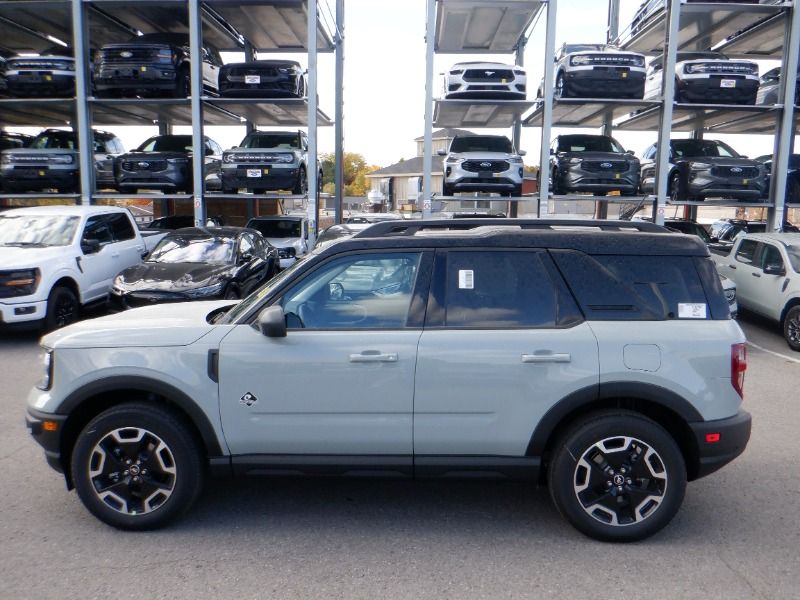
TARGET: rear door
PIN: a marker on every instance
(503, 342)
(769, 296)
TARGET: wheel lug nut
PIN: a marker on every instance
(619, 488)
(622, 470)
(128, 461)
(126, 472)
(136, 479)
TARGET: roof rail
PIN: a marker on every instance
(409, 228)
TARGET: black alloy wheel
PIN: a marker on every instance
(183, 86)
(62, 308)
(617, 476)
(301, 185)
(791, 328)
(136, 466)
(561, 87)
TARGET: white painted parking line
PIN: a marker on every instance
(778, 354)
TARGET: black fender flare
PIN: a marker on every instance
(595, 395)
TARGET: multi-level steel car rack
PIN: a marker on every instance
(764, 31)
(249, 26)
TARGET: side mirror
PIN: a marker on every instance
(441, 152)
(245, 258)
(272, 322)
(552, 152)
(630, 152)
(90, 246)
(209, 152)
(522, 152)
(774, 269)
(714, 240)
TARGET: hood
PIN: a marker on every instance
(598, 156)
(159, 325)
(136, 155)
(484, 155)
(28, 257)
(723, 161)
(284, 242)
(484, 65)
(169, 277)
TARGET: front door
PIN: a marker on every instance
(342, 381)
(769, 289)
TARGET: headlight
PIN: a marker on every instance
(178, 160)
(69, 67)
(285, 70)
(575, 161)
(62, 159)
(457, 72)
(204, 292)
(47, 375)
(228, 158)
(515, 159)
(701, 68)
(22, 282)
(453, 159)
(284, 158)
(696, 166)
(638, 61)
(580, 60)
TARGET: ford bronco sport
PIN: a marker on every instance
(597, 357)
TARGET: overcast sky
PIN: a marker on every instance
(385, 80)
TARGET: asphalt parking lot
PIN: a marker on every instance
(737, 535)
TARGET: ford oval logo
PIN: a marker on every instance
(142, 165)
(126, 54)
(486, 165)
(736, 169)
(606, 165)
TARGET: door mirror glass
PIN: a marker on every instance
(335, 292)
(629, 152)
(272, 322)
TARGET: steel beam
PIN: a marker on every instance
(82, 126)
(612, 33)
(513, 208)
(665, 125)
(338, 125)
(312, 175)
(427, 155)
(196, 75)
(547, 110)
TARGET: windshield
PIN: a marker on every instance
(682, 56)
(277, 229)
(37, 230)
(167, 143)
(588, 143)
(481, 144)
(64, 140)
(243, 307)
(700, 148)
(570, 48)
(182, 249)
(286, 141)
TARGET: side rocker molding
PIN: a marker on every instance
(612, 390)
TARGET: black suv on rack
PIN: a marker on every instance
(150, 65)
(592, 163)
(164, 162)
(263, 79)
(700, 169)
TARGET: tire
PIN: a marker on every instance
(792, 190)
(517, 191)
(446, 190)
(63, 308)
(588, 496)
(301, 185)
(791, 328)
(227, 190)
(561, 89)
(232, 293)
(555, 186)
(675, 192)
(599, 194)
(182, 85)
(134, 432)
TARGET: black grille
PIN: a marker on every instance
(612, 60)
(491, 166)
(132, 54)
(144, 165)
(262, 71)
(605, 166)
(52, 65)
(732, 68)
(746, 172)
(488, 74)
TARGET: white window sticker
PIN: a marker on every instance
(688, 310)
(466, 280)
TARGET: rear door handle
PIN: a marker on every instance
(756, 274)
(732, 267)
(115, 255)
(547, 358)
(369, 356)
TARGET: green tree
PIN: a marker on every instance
(355, 170)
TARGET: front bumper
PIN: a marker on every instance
(733, 435)
(22, 311)
(142, 77)
(41, 83)
(47, 429)
(36, 179)
(574, 178)
(708, 90)
(704, 185)
(276, 178)
(605, 82)
(460, 179)
(175, 177)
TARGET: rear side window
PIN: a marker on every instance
(504, 289)
(636, 288)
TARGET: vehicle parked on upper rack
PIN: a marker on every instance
(288, 233)
(700, 169)
(650, 10)
(482, 163)
(51, 73)
(9, 140)
(152, 64)
(766, 269)
(56, 259)
(597, 71)
(706, 78)
(485, 80)
(592, 163)
(3, 83)
(769, 89)
(792, 194)
(367, 217)
(164, 162)
(198, 263)
(395, 324)
(263, 79)
(50, 161)
(268, 161)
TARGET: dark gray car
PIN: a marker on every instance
(592, 163)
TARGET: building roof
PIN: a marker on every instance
(448, 132)
(410, 167)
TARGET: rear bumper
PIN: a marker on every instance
(733, 432)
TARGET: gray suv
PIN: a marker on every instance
(597, 357)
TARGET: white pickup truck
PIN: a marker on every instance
(55, 259)
(766, 269)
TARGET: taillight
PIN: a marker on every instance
(738, 367)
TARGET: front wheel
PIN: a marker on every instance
(617, 476)
(62, 308)
(675, 191)
(791, 328)
(183, 87)
(301, 185)
(136, 466)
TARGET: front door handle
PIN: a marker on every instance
(732, 267)
(756, 274)
(547, 358)
(369, 356)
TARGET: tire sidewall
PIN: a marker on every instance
(579, 439)
(166, 426)
(52, 301)
(793, 313)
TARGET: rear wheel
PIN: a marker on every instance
(62, 308)
(517, 191)
(791, 328)
(301, 185)
(136, 466)
(617, 476)
(561, 87)
(446, 190)
(232, 293)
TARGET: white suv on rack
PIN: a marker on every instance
(485, 80)
(482, 163)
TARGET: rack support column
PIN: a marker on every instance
(339, 115)
(83, 124)
(196, 76)
(312, 175)
(427, 155)
(547, 109)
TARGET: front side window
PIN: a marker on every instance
(97, 230)
(355, 292)
(770, 256)
(193, 249)
(121, 228)
(746, 252)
